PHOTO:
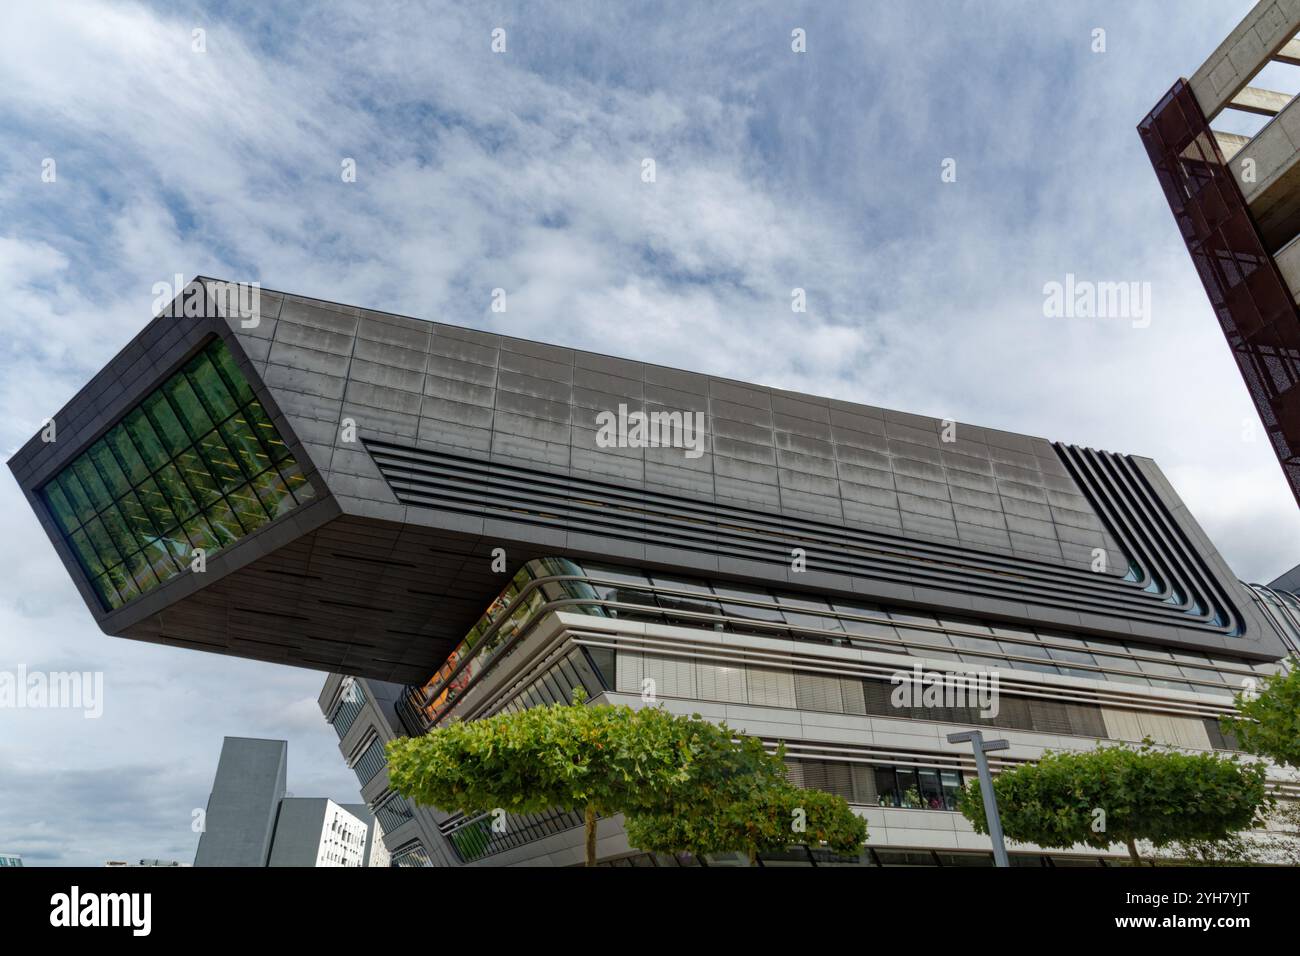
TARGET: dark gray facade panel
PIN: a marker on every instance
(298, 829)
(475, 441)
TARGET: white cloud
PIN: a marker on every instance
(522, 171)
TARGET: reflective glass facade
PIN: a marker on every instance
(197, 464)
(630, 594)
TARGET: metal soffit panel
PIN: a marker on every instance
(1175, 586)
(356, 596)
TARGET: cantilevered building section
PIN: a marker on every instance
(355, 480)
(1237, 203)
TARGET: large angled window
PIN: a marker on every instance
(197, 464)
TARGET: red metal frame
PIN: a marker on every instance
(1253, 304)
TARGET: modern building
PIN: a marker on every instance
(1236, 200)
(315, 831)
(466, 522)
(376, 853)
(10, 859)
(252, 821)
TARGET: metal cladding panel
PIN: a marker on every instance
(431, 445)
(495, 439)
(1250, 298)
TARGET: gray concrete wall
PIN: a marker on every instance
(298, 831)
(250, 781)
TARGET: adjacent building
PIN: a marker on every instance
(464, 522)
(10, 859)
(1236, 200)
(315, 831)
(251, 820)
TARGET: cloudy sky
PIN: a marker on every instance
(522, 170)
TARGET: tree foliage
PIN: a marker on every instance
(598, 759)
(1269, 721)
(773, 817)
(1121, 795)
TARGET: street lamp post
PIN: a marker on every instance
(981, 747)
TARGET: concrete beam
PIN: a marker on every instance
(1266, 30)
(1290, 53)
(1230, 143)
(1288, 263)
(1252, 99)
(1268, 171)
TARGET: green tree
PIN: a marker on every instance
(598, 759)
(773, 817)
(1122, 794)
(1269, 718)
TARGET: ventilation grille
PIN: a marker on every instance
(1172, 587)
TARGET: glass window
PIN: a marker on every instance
(1023, 650)
(763, 609)
(966, 643)
(965, 623)
(260, 422)
(1070, 657)
(802, 611)
(1115, 663)
(677, 602)
(1035, 666)
(211, 389)
(61, 507)
(248, 508)
(1159, 669)
(86, 551)
(297, 482)
(102, 543)
(164, 480)
(950, 782)
(94, 487)
(247, 449)
(234, 379)
(912, 617)
(166, 425)
(1059, 637)
(904, 857)
(115, 479)
(193, 416)
(118, 530)
(157, 506)
(925, 639)
(274, 493)
(144, 437)
(930, 792)
(70, 485)
(220, 461)
(137, 519)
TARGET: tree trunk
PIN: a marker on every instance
(591, 835)
(1133, 852)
